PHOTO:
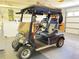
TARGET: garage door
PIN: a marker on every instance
(72, 20)
(72, 25)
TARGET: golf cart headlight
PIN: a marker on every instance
(21, 40)
(26, 41)
(18, 36)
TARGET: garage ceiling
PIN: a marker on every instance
(51, 3)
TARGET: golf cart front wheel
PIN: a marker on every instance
(15, 45)
(24, 53)
(60, 42)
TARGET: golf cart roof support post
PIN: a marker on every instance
(30, 39)
(48, 16)
(21, 17)
(58, 23)
(30, 28)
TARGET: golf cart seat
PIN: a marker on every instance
(53, 33)
(44, 36)
(48, 35)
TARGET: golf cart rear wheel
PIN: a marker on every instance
(24, 53)
(60, 42)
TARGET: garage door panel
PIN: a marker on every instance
(73, 31)
(72, 19)
(72, 25)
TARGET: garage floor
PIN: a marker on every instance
(70, 50)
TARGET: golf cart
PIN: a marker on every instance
(45, 36)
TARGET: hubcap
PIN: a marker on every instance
(25, 53)
(61, 42)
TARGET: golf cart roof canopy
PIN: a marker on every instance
(40, 10)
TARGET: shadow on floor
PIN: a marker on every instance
(39, 55)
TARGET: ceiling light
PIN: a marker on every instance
(59, 0)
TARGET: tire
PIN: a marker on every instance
(60, 42)
(24, 53)
(15, 45)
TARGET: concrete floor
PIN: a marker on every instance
(70, 50)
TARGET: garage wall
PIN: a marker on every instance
(72, 20)
(8, 28)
